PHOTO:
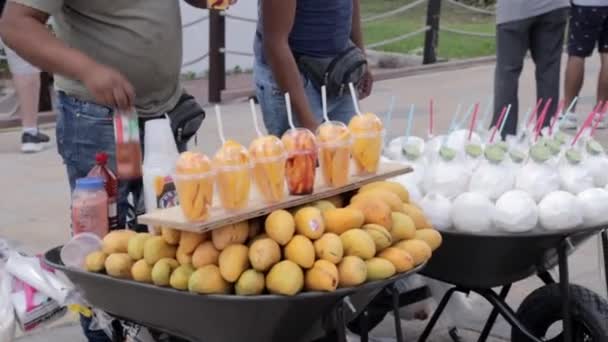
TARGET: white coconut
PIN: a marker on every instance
(516, 212)
(537, 179)
(594, 203)
(560, 210)
(472, 212)
(437, 208)
(492, 180)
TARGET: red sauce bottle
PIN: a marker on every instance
(111, 186)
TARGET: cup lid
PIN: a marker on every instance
(89, 183)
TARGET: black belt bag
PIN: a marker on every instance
(186, 118)
(335, 73)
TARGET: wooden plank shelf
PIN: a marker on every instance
(218, 217)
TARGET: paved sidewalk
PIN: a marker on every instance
(35, 209)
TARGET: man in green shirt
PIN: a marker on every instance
(107, 56)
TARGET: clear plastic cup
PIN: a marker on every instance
(194, 180)
(368, 137)
(269, 158)
(301, 146)
(75, 251)
(233, 175)
(335, 142)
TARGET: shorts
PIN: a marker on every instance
(18, 65)
(588, 28)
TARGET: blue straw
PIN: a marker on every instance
(484, 117)
(410, 119)
(389, 114)
(502, 125)
(568, 111)
(452, 124)
(466, 117)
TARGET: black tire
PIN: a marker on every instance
(541, 309)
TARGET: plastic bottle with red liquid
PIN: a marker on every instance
(111, 185)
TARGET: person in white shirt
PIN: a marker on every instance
(588, 29)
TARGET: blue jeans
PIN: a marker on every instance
(83, 129)
(272, 101)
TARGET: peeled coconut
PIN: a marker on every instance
(597, 163)
(396, 149)
(560, 210)
(437, 208)
(537, 177)
(448, 176)
(574, 177)
(594, 203)
(516, 212)
(493, 178)
(460, 138)
(472, 212)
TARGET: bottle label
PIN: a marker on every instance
(166, 194)
(113, 213)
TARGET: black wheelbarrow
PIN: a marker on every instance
(480, 262)
(219, 318)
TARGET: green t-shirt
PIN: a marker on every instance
(140, 38)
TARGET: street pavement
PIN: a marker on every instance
(34, 211)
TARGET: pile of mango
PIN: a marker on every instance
(318, 247)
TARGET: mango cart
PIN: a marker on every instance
(303, 317)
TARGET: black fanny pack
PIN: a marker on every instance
(337, 72)
(186, 118)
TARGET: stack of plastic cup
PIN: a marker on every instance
(269, 158)
(194, 180)
(368, 135)
(75, 251)
(335, 142)
(233, 172)
(301, 147)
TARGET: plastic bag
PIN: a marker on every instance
(516, 212)
(537, 179)
(457, 140)
(396, 147)
(560, 210)
(437, 208)
(472, 212)
(410, 184)
(492, 180)
(432, 146)
(574, 178)
(8, 322)
(447, 178)
(596, 161)
(594, 203)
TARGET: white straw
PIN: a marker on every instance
(220, 126)
(289, 113)
(254, 114)
(324, 102)
(353, 94)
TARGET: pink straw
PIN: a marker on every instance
(473, 120)
(586, 124)
(500, 118)
(534, 112)
(541, 120)
(431, 117)
(554, 119)
(602, 114)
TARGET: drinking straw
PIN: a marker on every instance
(504, 120)
(487, 111)
(534, 112)
(220, 126)
(586, 123)
(556, 115)
(502, 115)
(597, 122)
(255, 117)
(466, 116)
(289, 112)
(431, 114)
(389, 113)
(353, 95)
(454, 117)
(324, 102)
(568, 112)
(410, 120)
(541, 120)
(473, 120)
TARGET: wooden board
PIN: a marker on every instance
(218, 217)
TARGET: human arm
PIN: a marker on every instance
(356, 35)
(24, 29)
(279, 16)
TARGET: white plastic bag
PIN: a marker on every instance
(448, 178)
(457, 140)
(396, 147)
(574, 178)
(492, 180)
(537, 179)
(7, 314)
(472, 212)
(596, 161)
(594, 203)
(560, 210)
(516, 212)
(437, 208)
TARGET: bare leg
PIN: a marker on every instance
(602, 82)
(27, 87)
(575, 74)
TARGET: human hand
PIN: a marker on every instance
(109, 87)
(366, 84)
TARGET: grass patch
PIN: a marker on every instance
(451, 45)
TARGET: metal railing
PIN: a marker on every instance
(218, 51)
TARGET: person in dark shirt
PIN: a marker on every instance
(326, 34)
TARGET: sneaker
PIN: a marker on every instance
(569, 122)
(603, 124)
(31, 143)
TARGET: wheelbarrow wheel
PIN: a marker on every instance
(542, 309)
